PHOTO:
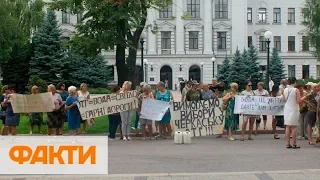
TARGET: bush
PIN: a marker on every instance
(305, 81)
(36, 81)
(99, 91)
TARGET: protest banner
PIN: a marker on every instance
(257, 105)
(103, 105)
(201, 118)
(32, 103)
(154, 109)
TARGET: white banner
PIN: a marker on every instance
(257, 105)
(153, 109)
(104, 105)
(32, 103)
(202, 118)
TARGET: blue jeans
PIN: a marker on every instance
(114, 122)
(137, 121)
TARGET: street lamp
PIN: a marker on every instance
(145, 69)
(142, 38)
(213, 59)
(201, 72)
(268, 35)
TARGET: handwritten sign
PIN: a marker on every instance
(257, 105)
(202, 118)
(32, 103)
(154, 109)
(107, 104)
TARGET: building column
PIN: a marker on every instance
(152, 38)
(179, 28)
(208, 27)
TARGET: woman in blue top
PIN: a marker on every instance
(73, 111)
(64, 94)
(12, 119)
(164, 95)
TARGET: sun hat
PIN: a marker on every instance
(309, 84)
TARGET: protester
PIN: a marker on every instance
(183, 84)
(139, 90)
(185, 91)
(114, 119)
(292, 97)
(309, 87)
(54, 120)
(12, 119)
(73, 111)
(126, 115)
(83, 94)
(165, 127)
(6, 92)
(283, 85)
(214, 84)
(231, 119)
(312, 105)
(64, 94)
(194, 94)
(261, 92)
(275, 93)
(271, 84)
(35, 119)
(147, 94)
(303, 119)
(219, 90)
(206, 93)
(248, 117)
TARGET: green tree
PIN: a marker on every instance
(109, 23)
(79, 69)
(245, 61)
(37, 81)
(223, 74)
(237, 72)
(253, 65)
(276, 70)
(311, 14)
(48, 57)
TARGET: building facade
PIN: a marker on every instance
(182, 46)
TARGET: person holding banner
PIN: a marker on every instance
(275, 93)
(64, 94)
(35, 119)
(312, 105)
(147, 94)
(114, 120)
(261, 92)
(12, 119)
(126, 115)
(206, 93)
(73, 111)
(248, 117)
(291, 97)
(231, 119)
(53, 118)
(164, 95)
(83, 94)
(194, 94)
(3, 107)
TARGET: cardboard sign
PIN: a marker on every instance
(32, 103)
(154, 109)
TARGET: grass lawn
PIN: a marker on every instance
(101, 126)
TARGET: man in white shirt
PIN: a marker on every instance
(271, 84)
(283, 85)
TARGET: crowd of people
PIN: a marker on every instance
(300, 111)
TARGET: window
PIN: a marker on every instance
(276, 15)
(111, 70)
(291, 70)
(249, 15)
(291, 15)
(262, 44)
(193, 39)
(277, 42)
(318, 71)
(166, 12)
(66, 17)
(79, 17)
(291, 43)
(222, 40)
(262, 15)
(305, 43)
(305, 71)
(221, 9)
(249, 41)
(166, 42)
(193, 7)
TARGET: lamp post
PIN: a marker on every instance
(142, 37)
(201, 72)
(213, 59)
(268, 35)
(145, 70)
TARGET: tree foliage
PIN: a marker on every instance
(37, 81)
(224, 72)
(48, 57)
(276, 70)
(311, 14)
(109, 23)
(237, 72)
(253, 65)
